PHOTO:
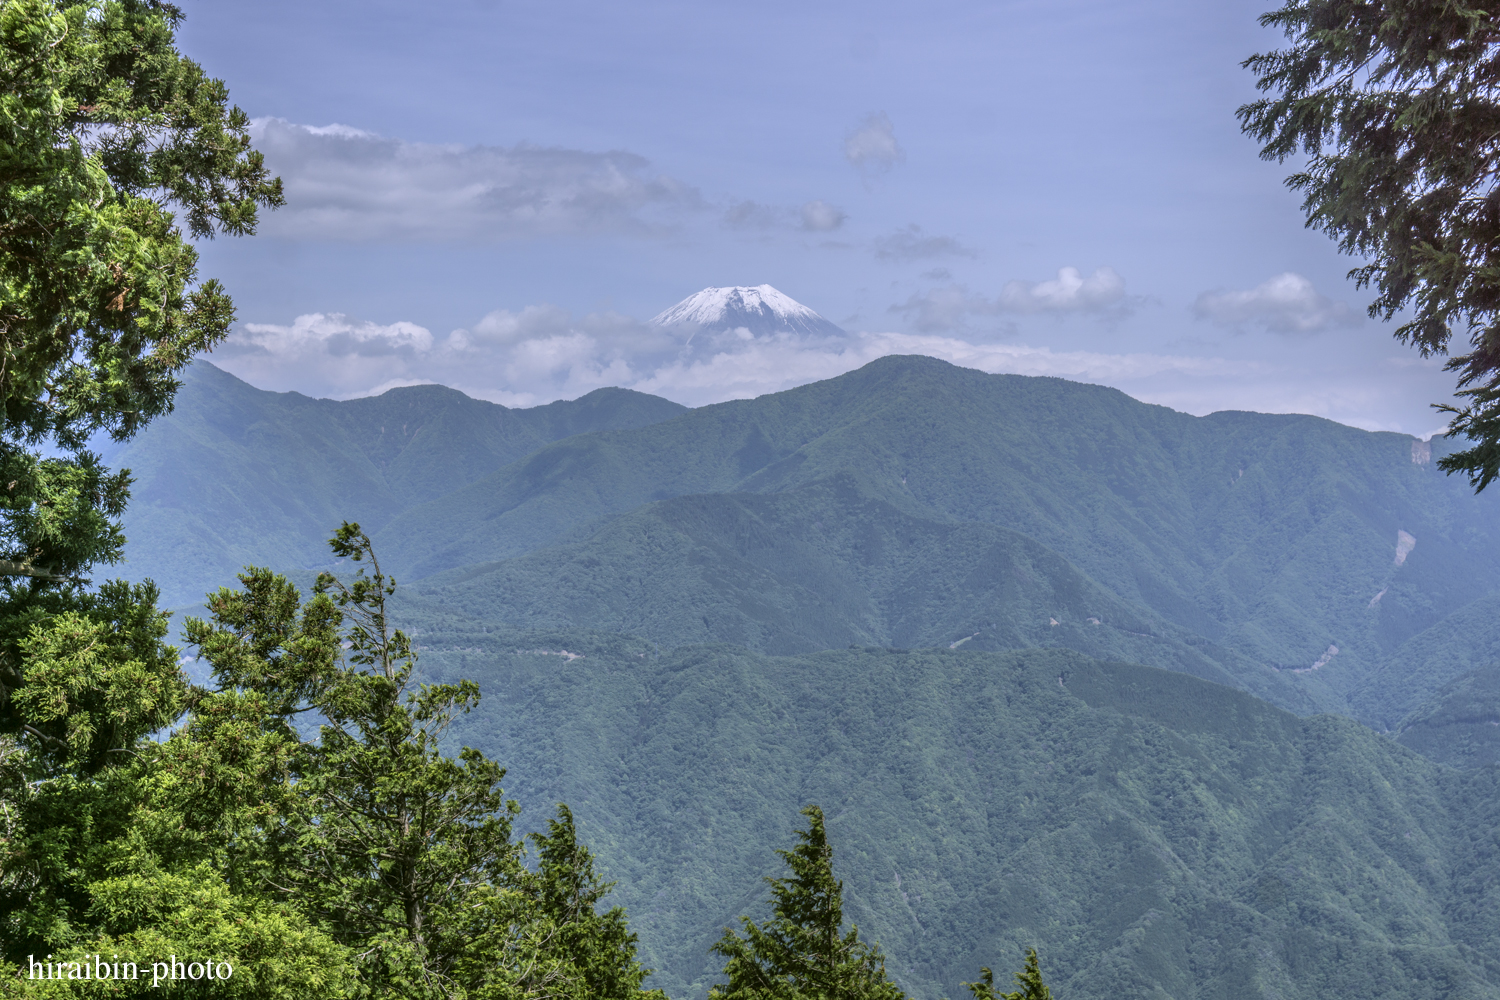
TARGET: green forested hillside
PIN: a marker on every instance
(1151, 834)
(1417, 670)
(824, 564)
(892, 594)
(1460, 724)
(909, 503)
(1305, 550)
(236, 475)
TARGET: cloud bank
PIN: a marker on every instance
(542, 353)
(346, 184)
(1287, 303)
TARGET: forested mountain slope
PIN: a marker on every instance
(909, 503)
(1460, 723)
(615, 572)
(1306, 551)
(237, 475)
(821, 565)
(1150, 833)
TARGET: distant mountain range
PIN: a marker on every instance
(910, 503)
(715, 566)
(235, 475)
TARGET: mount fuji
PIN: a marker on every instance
(761, 311)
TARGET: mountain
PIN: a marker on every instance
(1460, 724)
(1153, 835)
(1296, 553)
(906, 504)
(906, 594)
(236, 475)
(823, 565)
(761, 311)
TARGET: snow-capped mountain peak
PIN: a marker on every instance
(760, 309)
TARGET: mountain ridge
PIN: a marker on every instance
(1278, 548)
(1266, 534)
(238, 475)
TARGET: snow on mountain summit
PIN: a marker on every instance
(760, 310)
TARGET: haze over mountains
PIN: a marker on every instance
(237, 475)
(704, 562)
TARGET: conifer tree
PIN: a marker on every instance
(592, 954)
(1390, 106)
(402, 853)
(392, 837)
(802, 953)
(106, 133)
(1029, 979)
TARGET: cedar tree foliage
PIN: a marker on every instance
(1394, 105)
(1029, 979)
(802, 953)
(104, 130)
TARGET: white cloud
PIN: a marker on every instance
(541, 353)
(912, 244)
(1287, 303)
(1070, 291)
(329, 354)
(872, 147)
(821, 217)
(336, 334)
(536, 355)
(346, 184)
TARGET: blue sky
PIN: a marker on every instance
(497, 195)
